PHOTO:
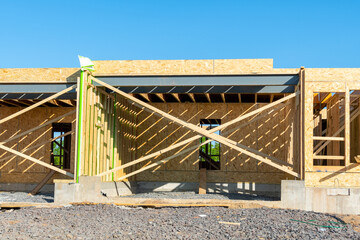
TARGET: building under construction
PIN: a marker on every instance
(236, 125)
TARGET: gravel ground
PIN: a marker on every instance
(112, 222)
(25, 197)
(193, 195)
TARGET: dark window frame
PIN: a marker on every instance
(62, 146)
(207, 158)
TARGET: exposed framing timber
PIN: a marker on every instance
(42, 183)
(36, 161)
(301, 84)
(207, 95)
(8, 104)
(188, 141)
(38, 145)
(271, 98)
(191, 95)
(146, 96)
(223, 97)
(157, 153)
(161, 96)
(328, 138)
(328, 157)
(321, 146)
(206, 133)
(176, 96)
(347, 126)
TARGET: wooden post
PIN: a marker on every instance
(347, 126)
(302, 123)
(202, 181)
(80, 128)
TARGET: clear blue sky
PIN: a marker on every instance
(312, 33)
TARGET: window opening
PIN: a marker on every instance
(209, 153)
(61, 147)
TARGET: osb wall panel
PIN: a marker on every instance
(155, 66)
(39, 74)
(332, 179)
(17, 169)
(246, 135)
(242, 65)
(126, 117)
(217, 66)
(269, 134)
(332, 74)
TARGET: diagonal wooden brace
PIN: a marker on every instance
(36, 161)
(201, 131)
(184, 142)
(37, 104)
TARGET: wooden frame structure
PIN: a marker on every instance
(99, 129)
(126, 107)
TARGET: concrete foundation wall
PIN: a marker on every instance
(24, 187)
(246, 188)
(295, 195)
(91, 189)
(87, 190)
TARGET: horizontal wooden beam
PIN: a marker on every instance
(323, 138)
(328, 157)
(321, 146)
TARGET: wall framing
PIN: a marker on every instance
(107, 115)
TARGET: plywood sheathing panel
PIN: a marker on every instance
(242, 65)
(217, 66)
(8, 130)
(39, 74)
(11, 169)
(331, 179)
(233, 164)
(332, 74)
(236, 161)
(154, 66)
(125, 135)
